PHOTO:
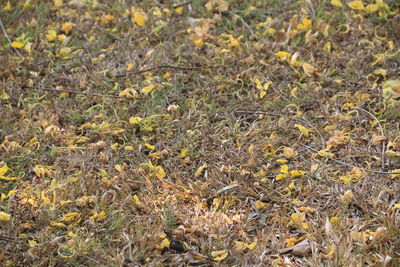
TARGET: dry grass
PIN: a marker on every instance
(220, 144)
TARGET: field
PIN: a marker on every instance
(200, 133)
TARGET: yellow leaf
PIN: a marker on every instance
(336, 3)
(64, 51)
(240, 246)
(146, 90)
(372, 8)
(7, 8)
(98, 216)
(128, 148)
(260, 204)
(200, 170)
(280, 176)
(118, 167)
(325, 153)
(159, 172)
(283, 55)
(17, 44)
(8, 178)
(51, 35)
(165, 243)
(135, 120)
(198, 43)
(289, 152)
(328, 47)
(67, 27)
(306, 209)
(396, 175)
(3, 169)
(331, 252)
(380, 71)
(347, 197)
(107, 19)
(356, 5)
(296, 173)
(179, 10)
(58, 3)
(4, 217)
(302, 129)
(396, 206)
(284, 169)
(136, 200)
(306, 24)
(72, 179)
(57, 224)
(150, 146)
(219, 255)
(252, 245)
(334, 220)
(184, 152)
(140, 18)
(72, 217)
(129, 93)
(309, 69)
(282, 161)
(233, 42)
(271, 31)
(129, 67)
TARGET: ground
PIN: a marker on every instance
(206, 132)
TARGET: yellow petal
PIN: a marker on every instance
(284, 169)
(4, 217)
(302, 129)
(3, 169)
(372, 8)
(7, 8)
(67, 27)
(283, 55)
(260, 204)
(16, 44)
(356, 5)
(147, 90)
(139, 18)
(336, 3)
(219, 255)
(165, 243)
(252, 245)
(135, 120)
(200, 170)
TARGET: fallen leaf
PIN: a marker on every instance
(301, 249)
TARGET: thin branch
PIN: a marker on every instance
(382, 133)
(163, 67)
(183, 4)
(350, 165)
(8, 39)
(76, 92)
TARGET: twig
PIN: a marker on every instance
(350, 165)
(76, 92)
(8, 39)
(162, 67)
(183, 4)
(382, 133)
(286, 116)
